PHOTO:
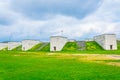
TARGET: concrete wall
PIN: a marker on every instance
(81, 45)
(57, 43)
(3, 45)
(12, 45)
(28, 44)
(107, 41)
(89, 40)
(118, 39)
(71, 40)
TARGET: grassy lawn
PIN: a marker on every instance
(91, 52)
(42, 66)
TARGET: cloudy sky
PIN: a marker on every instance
(40, 19)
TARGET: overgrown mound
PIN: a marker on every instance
(92, 45)
(19, 48)
(36, 47)
(46, 48)
(118, 45)
(70, 46)
(5, 49)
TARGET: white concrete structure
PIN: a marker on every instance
(12, 45)
(57, 43)
(89, 40)
(118, 39)
(3, 46)
(71, 40)
(107, 41)
(28, 44)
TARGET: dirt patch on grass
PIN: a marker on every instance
(97, 58)
(114, 63)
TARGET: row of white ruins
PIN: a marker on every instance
(106, 41)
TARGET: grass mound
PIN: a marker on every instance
(35, 48)
(92, 45)
(19, 48)
(5, 49)
(46, 48)
(118, 45)
(70, 46)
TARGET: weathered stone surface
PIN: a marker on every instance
(57, 43)
(107, 41)
(71, 40)
(28, 44)
(12, 45)
(3, 45)
(82, 45)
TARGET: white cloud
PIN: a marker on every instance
(104, 20)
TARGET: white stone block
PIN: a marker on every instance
(71, 40)
(107, 41)
(57, 43)
(12, 45)
(28, 44)
(3, 45)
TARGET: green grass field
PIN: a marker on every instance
(46, 65)
(42, 66)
